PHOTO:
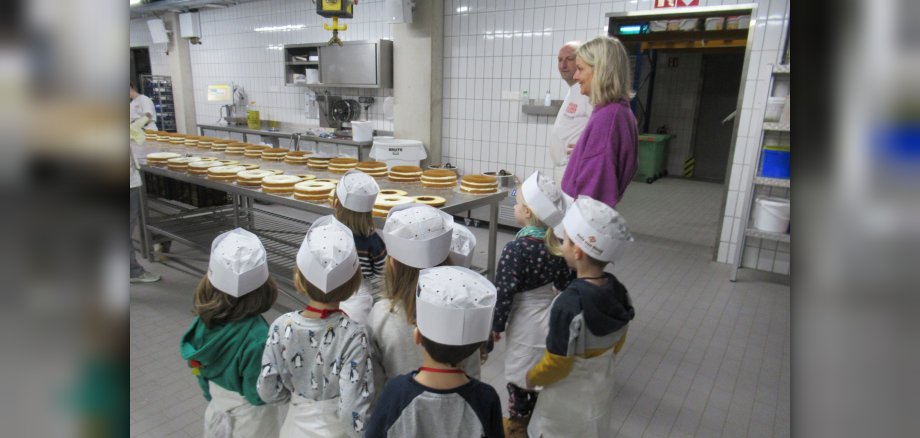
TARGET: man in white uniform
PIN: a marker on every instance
(142, 105)
(572, 117)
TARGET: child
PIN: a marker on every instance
(417, 236)
(588, 322)
(454, 309)
(224, 344)
(355, 196)
(318, 359)
(530, 272)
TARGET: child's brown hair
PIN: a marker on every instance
(361, 224)
(216, 308)
(339, 294)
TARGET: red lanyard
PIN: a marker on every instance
(441, 370)
(323, 313)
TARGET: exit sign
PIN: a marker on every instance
(675, 3)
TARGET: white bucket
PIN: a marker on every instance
(362, 131)
(772, 214)
(398, 152)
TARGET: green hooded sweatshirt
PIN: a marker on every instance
(229, 355)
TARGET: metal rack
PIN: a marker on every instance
(759, 185)
(159, 90)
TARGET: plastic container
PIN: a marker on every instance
(673, 25)
(775, 162)
(658, 25)
(715, 23)
(738, 22)
(689, 24)
(398, 152)
(652, 153)
(362, 131)
(772, 215)
(775, 108)
(252, 117)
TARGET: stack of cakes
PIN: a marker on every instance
(224, 173)
(479, 184)
(255, 150)
(376, 169)
(318, 161)
(180, 164)
(282, 185)
(201, 167)
(274, 154)
(313, 191)
(160, 158)
(405, 173)
(218, 145)
(252, 178)
(384, 203)
(342, 165)
(439, 178)
(297, 157)
(235, 148)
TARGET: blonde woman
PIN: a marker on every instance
(604, 159)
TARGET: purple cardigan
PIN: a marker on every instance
(604, 159)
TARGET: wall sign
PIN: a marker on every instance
(675, 3)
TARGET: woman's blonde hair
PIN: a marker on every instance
(550, 240)
(361, 224)
(611, 78)
(216, 308)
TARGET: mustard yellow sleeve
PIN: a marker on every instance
(551, 369)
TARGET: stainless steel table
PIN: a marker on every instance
(295, 133)
(197, 227)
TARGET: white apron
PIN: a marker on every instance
(527, 327)
(230, 415)
(578, 405)
(310, 418)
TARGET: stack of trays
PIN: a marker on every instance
(252, 177)
(384, 203)
(282, 185)
(479, 184)
(376, 169)
(235, 148)
(439, 178)
(313, 191)
(405, 173)
(297, 157)
(318, 162)
(201, 167)
(342, 165)
(160, 158)
(224, 173)
(273, 154)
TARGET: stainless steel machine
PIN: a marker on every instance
(337, 112)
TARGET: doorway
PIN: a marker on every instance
(140, 65)
(721, 82)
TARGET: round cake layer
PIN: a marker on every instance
(226, 170)
(280, 181)
(479, 179)
(392, 192)
(478, 191)
(434, 201)
(314, 187)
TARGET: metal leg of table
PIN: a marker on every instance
(249, 217)
(493, 232)
(146, 245)
(236, 210)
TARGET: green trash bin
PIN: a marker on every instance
(653, 150)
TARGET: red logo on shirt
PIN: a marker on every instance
(571, 108)
(592, 239)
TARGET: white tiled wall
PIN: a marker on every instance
(140, 37)
(494, 47)
(675, 104)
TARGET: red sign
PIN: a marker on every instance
(675, 3)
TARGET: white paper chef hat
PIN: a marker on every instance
(599, 230)
(357, 191)
(418, 235)
(545, 200)
(238, 264)
(453, 305)
(462, 244)
(327, 256)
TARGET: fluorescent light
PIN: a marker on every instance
(285, 28)
(135, 2)
(462, 9)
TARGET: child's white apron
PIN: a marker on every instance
(310, 418)
(230, 415)
(578, 405)
(527, 327)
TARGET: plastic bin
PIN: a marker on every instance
(653, 150)
(398, 152)
(775, 162)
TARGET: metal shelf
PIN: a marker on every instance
(766, 235)
(772, 182)
(774, 126)
(781, 69)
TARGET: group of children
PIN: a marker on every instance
(397, 325)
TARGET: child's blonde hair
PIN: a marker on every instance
(550, 240)
(361, 224)
(400, 281)
(216, 308)
(336, 295)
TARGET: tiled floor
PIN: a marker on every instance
(650, 209)
(705, 357)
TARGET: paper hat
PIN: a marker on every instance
(418, 235)
(545, 200)
(357, 191)
(237, 265)
(327, 256)
(462, 244)
(597, 229)
(453, 305)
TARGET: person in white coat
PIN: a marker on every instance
(573, 115)
(135, 184)
(142, 106)
(587, 327)
(417, 236)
